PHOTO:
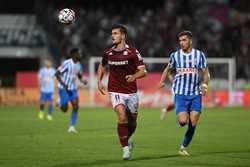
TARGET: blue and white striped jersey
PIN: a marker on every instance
(69, 73)
(187, 65)
(46, 78)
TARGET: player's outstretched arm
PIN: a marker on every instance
(82, 79)
(205, 80)
(165, 75)
(58, 77)
(100, 74)
(140, 73)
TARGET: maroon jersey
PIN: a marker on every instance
(122, 63)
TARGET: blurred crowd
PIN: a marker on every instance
(221, 28)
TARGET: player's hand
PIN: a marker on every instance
(101, 88)
(130, 78)
(85, 82)
(204, 89)
(161, 85)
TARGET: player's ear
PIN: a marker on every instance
(123, 36)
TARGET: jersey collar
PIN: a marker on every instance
(126, 47)
(185, 54)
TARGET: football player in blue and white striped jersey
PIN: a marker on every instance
(46, 77)
(66, 75)
(190, 83)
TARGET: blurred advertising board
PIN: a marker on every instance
(27, 93)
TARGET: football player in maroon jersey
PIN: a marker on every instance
(125, 67)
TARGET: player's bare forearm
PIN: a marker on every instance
(100, 72)
(165, 75)
(171, 75)
(58, 77)
(82, 80)
(206, 76)
(205, 79)
(141, 72)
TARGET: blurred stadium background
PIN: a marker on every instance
(30, 32)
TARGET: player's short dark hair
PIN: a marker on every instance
(121, 27)
(185, 32)
(74, 50)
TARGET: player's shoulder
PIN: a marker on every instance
(41, 69)
(107, 50)
(174, 52)
(199, 51)
(67, 61)
(131, 49)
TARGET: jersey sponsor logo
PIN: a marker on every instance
(118, 63)
(187, 70)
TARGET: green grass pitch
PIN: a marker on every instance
(222, 139)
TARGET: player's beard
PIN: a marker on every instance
(115, 45)
(187, 49)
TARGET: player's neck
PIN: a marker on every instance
(74, 60)
(121, 46)
(187, 50)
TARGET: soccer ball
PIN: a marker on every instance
(66, 16)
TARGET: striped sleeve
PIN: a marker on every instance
(172, 63)
(64, 67)
(138, 58)
(104, 59)
(203, 60)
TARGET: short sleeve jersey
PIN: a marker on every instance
(121, 64)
